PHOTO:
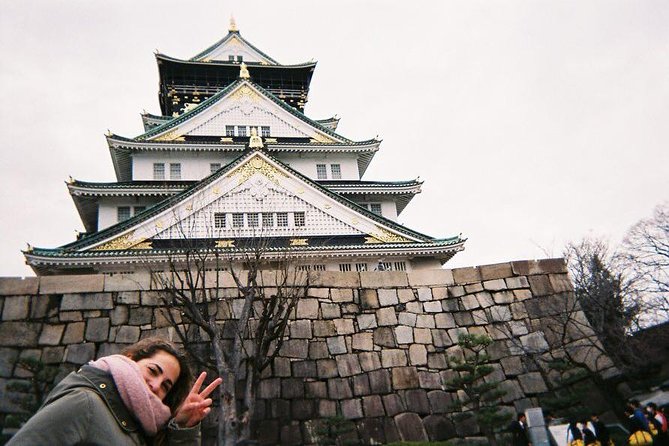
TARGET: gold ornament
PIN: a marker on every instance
(124, 242)
(245, 92)
(299, 242)
(258, 165)
(225, 243)
(388, 237)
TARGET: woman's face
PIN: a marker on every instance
(160, 372)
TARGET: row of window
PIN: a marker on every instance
(381, 266)
(159, 171)
(374, 207)
(224, 220)
(243, 130)
(125, 212)
(233, 58)
(319, 267)
(322, 171)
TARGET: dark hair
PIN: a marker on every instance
(148, 347)
(520, 415)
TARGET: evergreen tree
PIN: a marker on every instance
(481, 396)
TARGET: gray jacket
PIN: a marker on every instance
(86, 409)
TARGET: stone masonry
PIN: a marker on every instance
(371, 346)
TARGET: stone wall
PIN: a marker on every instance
(371, 346)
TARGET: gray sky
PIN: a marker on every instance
(533, 123)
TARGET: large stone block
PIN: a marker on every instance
(140, 316)
(430, 277)
(348, 365)
(303, 409)
(315, 389)
(544, 266)
(127, 335)
(532, 383)
(307, 308)
(320, 293)
(363, 341)
(440, 401)
(383, 279)
(500, 313)
(128, 297)
(470, 302)
(410, 427)
(341, 295)
(339, 389)
(393, 358)
(88, 283)
(369, 299)
(361, 385)
(369, 361)
(52, 355)
(51, 334)
(292, 388)
(19, 334)
(344, 326)
(92, 301)
(444, 320)
(417, 354)
(496, 271)
(295, 348)
(300, 329)
(373, 406)
(422, 336)
(387, 297)
(426, 320)
(291, 435)
(351, 409)
(318, 350)
(386, 316)
(513, 283)
(336, 279)
(327, 368)
(97, 329)
(560, 283)
(463, 276)
(304, 369)
(404, 334)
(373, 430)
(270, 388)
(8, 357)
(433, 307)
(405, 378)
(405, 295)
(416, 401)
(12, 286)
(379, 382)
(80, 353)
(323, 329)
(366, 321)
(540, 285)
(330, 311)
(336, 345)
(439, 427)
(127, 282)
(15, 308)
(393, 404)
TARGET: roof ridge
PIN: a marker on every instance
(229, 36)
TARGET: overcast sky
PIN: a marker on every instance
(533, 123)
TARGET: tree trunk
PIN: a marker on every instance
(227, 419)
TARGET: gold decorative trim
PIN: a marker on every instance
(258, 165)
(159, 225)
(299, 242)
(244, 71)
(388, 237)
(370, 240)
(321, 138)
(225, 243)
(245, 92)
(216, 191)
(124, 242)
(169, 136)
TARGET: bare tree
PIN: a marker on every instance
(645, 251)
(239, 333)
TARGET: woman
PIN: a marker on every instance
(139, 397)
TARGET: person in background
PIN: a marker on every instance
(601, 431)
(575, 433)
(142, 396)
(518, 429)
(639, 435)
(658, 423)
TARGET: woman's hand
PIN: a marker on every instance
(196, 405)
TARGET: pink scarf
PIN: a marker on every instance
(136, 395)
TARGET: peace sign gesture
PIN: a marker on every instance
(196, 405)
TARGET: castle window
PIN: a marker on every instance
(304, 267)
(375, 207)
(158, 171)
(219, 220)
(213, 167)
(400, 266)
(240, 58)
(336, 171)
(264, 131)
(231, 58)
(321, 172)
(175, 171)
(123, 213)
(344, 267)
(237, 220)
(360, 267)
(319, 267)
(267, 219)
(299, 218)
(241, 130)
(252, 220)
(282, 219)
(229, 130)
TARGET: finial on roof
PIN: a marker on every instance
(255, 141)
(29, 248)
(109, 133)
(243, 71)
(233, 26)
(70, 180)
